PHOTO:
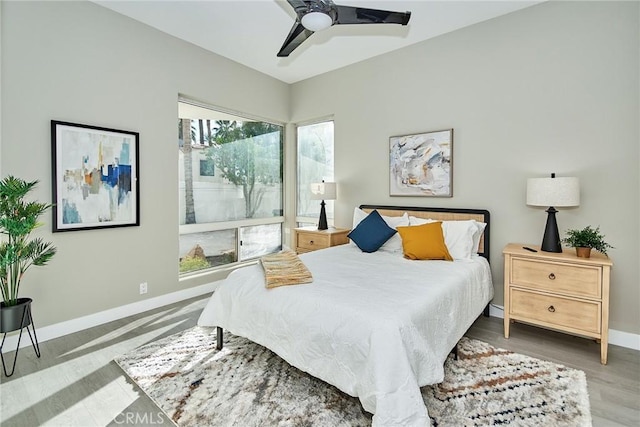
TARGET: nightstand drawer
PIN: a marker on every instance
(312, 241)
(556, 311)
(578, 280)
(307, 239)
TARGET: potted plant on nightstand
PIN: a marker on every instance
(18, 218)
(586, 239)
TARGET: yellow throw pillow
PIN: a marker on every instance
(424, 242)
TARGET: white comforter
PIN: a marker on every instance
(377, 326)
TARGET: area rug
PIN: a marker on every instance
(245, 384)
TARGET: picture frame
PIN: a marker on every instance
(95, 177)
(421, 164)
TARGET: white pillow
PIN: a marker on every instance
(414, 220)
(480, 226)
(358, 215)
(394, 244)
(458, 236)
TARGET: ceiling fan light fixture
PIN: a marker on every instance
(318, 15)
(316, 21)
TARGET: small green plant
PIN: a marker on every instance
(190, 263)
(587, 238)
(18, 218)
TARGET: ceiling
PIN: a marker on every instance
(251, 32)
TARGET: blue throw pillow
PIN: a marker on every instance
(371, 233)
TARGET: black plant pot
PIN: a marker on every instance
(14, 317)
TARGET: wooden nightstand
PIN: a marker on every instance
(309, 239)
(558, 291)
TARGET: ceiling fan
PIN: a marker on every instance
(316, 15)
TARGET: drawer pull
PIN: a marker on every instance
(552, 309)
(311, 242)
(552, 276)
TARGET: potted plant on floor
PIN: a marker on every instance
(18, 218)
(586, 239)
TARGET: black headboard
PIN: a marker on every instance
(442, 214)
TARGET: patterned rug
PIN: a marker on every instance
(248, 385)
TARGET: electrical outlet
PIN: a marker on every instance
(143, 288)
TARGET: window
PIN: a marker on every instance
(315, 163)
(230, 187)
(207, 167)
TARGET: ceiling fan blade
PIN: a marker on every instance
(296, 36)
(298, 5)
(360, 15)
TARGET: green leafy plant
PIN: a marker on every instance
(18, 218)
(193, 263)
(587, 238)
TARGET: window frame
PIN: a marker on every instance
(236, 225)
(302, 220)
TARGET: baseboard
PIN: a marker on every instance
(623, 339)
(67, 327)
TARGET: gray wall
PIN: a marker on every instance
(551, 88)
(80, 62)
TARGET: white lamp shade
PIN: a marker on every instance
(556, 192)
(316, 21)
(323, 191)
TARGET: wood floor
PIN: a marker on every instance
(76, 383)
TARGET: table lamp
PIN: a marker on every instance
(553, 192)
(323, 191)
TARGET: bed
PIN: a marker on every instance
(375, 325)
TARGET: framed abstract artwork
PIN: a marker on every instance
(95, 177)
(421, 164)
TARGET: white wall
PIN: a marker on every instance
(551, 88)
(80, 62)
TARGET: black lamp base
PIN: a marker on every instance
(551, 239)
(322, 222)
